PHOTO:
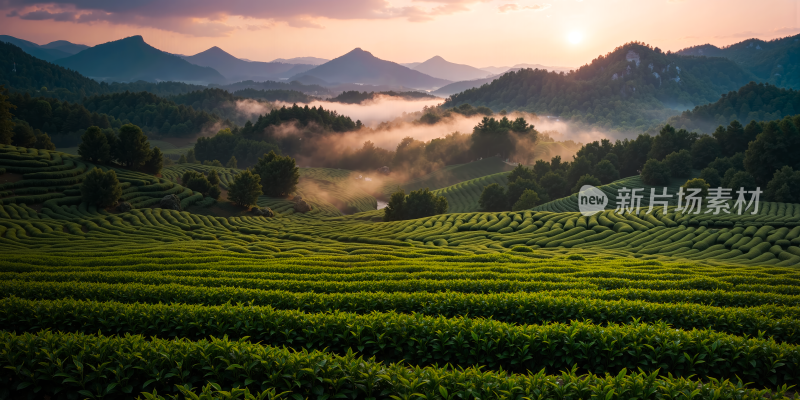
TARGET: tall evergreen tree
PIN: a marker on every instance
(133, 148)
(94, 146)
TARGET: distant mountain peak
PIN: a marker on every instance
(436, 58)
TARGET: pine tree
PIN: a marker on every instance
(232, 163)
(94, 146)
(245, 189)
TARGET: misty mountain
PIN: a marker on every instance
(458, 87)
(132, 59)
(314, 90)
(359, 66)
(776, 61)
(411, 65)
(235, 69)
(635, 86)
(65, 46)
(752, 102)
(40, 52)
(302, 60)
(438, 67)
(502, 70)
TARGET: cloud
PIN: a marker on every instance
(516, 7)
(208, 17)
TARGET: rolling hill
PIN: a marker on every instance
(458, 87)
(359, 66)
(775, 61)
(131, 59)
(635, 86)
(235, 69)
(438, 67)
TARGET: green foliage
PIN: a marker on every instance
(214, 192)
(655, 172)
(784, 186)
(493, 198)
(498, 137)
(423, 203)
(739, 179)
(704, 150)
(711, 176)
(395, 207)
(773, 149)
(554, 184)
(190, 157)
(149, 363)
(697, 183)
(213, 178)
(154, 163)
(6, 118)
(417, 204)
(279, 174)
(226, 145)
(611, 91)
(133, 149)
(182, 159)
(101, 189)
(245, 189)
(679, 164)
(585, 180)
(754, 102)
(213, 163)
(232, 163)
(527, 200)
(605, 171)
(670, 140)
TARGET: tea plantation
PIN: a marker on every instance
(538, 304)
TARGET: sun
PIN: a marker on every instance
(574, 37)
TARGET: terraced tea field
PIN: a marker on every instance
(465, 305)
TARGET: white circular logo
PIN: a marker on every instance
(591, 200)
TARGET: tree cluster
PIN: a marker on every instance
(199, 182)
(130, 148)
(417, 204)
(279, 174)
(752, 102)
(226, 145)
(523, 191)
(151, 113)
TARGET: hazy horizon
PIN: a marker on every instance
(555, 33)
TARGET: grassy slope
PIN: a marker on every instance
(453, 174)
(689, 281)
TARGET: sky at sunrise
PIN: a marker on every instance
(477, 32)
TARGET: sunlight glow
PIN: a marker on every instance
(574, 37)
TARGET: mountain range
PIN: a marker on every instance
(235, 69)
(359, 66)
(438, 67)
(48, 52)
(775, 61)
(131, 59)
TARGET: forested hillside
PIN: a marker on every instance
(21, 72)
(775, 61)
(356, 97)
(635, 86)
(152, 113)
(752, 102)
